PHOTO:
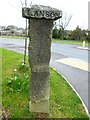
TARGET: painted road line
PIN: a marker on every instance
(74, 62)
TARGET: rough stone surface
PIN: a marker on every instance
(42, 106)
(39, 11)
(39, 57)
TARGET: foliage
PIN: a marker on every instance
(76, 34)
(56, 33)
(63, 23)
(88, 36)
(60, 32)
(60, 26)
(18, 83)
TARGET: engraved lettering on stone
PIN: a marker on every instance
(42, 13)
(47, 13)
(36, 14)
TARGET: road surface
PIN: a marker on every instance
(68, 60)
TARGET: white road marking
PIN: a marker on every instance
(74, 62)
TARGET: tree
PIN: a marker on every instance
(84, 35)
(63, 23)
(25, 32)
(25, 38)
(88, 36)
(76, 34)
(55, 33)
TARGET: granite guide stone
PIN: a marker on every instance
(41, 20)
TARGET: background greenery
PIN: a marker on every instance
(76, 35)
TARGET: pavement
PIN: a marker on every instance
(69, 60)
(83, 48)
(74, 62)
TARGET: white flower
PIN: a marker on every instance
(22, 63)
(15, 70)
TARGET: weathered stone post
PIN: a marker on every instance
(40, 26)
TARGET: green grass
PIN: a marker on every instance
(76, 42)
(15, 37)
(64, 103)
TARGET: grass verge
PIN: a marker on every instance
(64, 103)
(75, 42)
(14, 37)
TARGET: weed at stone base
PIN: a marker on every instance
(20, 80)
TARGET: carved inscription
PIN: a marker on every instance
(48, 14)
(41, 12)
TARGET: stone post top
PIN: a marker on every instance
(39, 11)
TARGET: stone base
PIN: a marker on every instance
(42, 107)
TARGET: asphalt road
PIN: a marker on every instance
(77, 77)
